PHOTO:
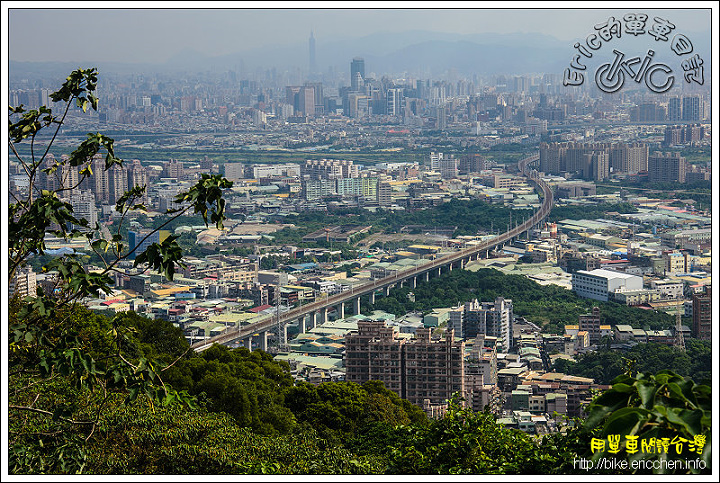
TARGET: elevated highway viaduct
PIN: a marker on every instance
(316, 312)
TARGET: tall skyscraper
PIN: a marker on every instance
(357, 66)
(311, 45)
(395, 103)
(691, 108)
(674, 112)
(306, 100)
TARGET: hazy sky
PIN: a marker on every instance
(75, 33)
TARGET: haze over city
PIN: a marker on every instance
(156, 35)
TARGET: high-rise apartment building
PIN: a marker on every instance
(446, 165)
(648, 112)
(234, 171)
(117, 183)
(318, 96)
(358, 105)
(314, 189)
(492, 319)
(472, 163)
(83, 204)
(434, 369)
(416, 369)
(358, 187)
(593, 160)
(690, 133)
(140, 240)
(599, 165)
(667, 167)
(306, 101)
(363, 359)
(628, 158)
(702, 314)
(173, 169)
(591, 324)
(24, 283)
(674, 111)
(64, 178)
(552, 158)
(577, 160)
(384, 193)
(441, 116)
(137, 175)
(692, 109)
(328, 169)
(98, 183)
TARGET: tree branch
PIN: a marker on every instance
(173, 363)
(48, 413)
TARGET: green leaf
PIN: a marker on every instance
(626, 421)
(646, 390)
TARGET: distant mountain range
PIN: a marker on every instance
(412, 52)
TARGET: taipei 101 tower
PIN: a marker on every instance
(313, 66)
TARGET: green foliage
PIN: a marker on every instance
(162, 257)
(663, 405)
(175, 440)
(463, 442)
(338, 410)
(549, 306)
(62, 381)
(605, 365)
(65, 365)
(246, 385)
(206, 198)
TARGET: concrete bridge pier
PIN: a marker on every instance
(413, 281)
(427, 276)
(356, 305)
(301, 325)
(310, 321)
(341, 310)
(248, 343)
(264, 341)
(386, 290)
(372, 297)
(322, 316)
